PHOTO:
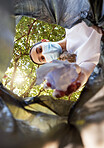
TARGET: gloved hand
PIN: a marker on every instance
(74, 86)
(71, 88)
(61, 76)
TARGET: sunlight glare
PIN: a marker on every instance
(19, 79)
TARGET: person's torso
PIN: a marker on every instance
(83, 41)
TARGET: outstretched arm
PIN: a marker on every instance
(85, 43)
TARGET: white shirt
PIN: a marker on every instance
(84, 41)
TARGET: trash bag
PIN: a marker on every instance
(52, 11)
(22, 121)
(23, 126)
(65, 13)
(7, 31)
(95, 15)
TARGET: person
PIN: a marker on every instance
(81, 40)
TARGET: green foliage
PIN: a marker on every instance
(21, 74)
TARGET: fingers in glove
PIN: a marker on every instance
(49, 85)
(58, 93)
(72, 88)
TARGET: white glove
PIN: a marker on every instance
(58, 74)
